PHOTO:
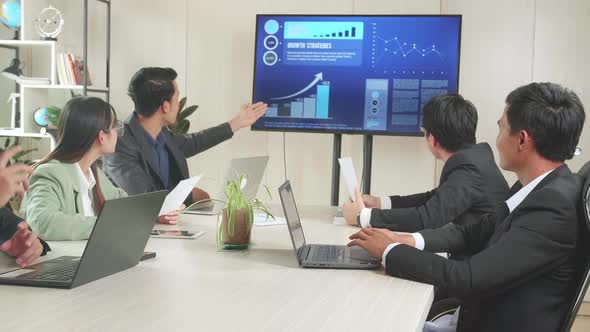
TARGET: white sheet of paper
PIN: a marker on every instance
(339, 220)
(347, 172)
(261, 220)
(176, 234)
(176, 197)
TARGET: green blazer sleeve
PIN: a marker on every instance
(108, 189)
(53, 212)
(53, 205)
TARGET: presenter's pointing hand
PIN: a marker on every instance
(247, 115)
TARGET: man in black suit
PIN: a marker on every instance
(149, 157)
(522, 273)
(470, 184)
(16, 239)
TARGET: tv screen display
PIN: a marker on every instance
(353, 74)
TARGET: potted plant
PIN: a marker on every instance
(237, 217)
(182, 124)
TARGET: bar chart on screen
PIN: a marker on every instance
(315, 105)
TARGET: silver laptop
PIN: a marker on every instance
(320, 255)
(252, 167)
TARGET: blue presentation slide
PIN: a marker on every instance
(353, 74)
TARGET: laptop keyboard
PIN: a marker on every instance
(63, 273)
(327, 253)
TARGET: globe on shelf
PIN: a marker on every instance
(10, 14)
(45, 116)
(41, 117)
(49, 23)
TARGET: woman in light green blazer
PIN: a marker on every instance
(67, 190)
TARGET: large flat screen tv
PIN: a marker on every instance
(353, 74)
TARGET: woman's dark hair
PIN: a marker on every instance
(150, 87)
(553, 116)
(80, 122)
(451, 119)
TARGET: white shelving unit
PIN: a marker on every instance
(39, 49)
(40, 58)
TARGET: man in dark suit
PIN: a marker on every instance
(522, 273)
(470, 184)
(149, 157)
(16, 239)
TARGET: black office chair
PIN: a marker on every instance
(585, 256)
(585, 170)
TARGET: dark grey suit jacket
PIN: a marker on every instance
(471, 185)
(523, 274)
(133, 169)
(8, 223)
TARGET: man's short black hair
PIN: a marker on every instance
(451, 119)
(551, 114)
(150, 87)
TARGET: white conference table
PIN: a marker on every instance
(192, 285)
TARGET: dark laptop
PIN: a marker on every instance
(116, 243)
(320, 255)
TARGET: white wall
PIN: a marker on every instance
(562, 53)
(145, 33)
(505, 44)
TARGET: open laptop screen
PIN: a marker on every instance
(292, 215)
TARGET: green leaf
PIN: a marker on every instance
(23, 153)
(231, 210)
(181, 104)
(187, 112)
(219, 229)
(181, 127)
(53, 115)
(267, 191)
(203, 201)
(250, 216)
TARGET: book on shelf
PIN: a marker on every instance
(77, 72)
(88, 79)
(70, 70)
(34, 80)
(61, 70)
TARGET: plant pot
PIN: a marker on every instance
(242, 231)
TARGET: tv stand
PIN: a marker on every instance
(367, 165)
(337, 149)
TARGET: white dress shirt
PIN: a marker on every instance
(87, 182)
(365, 216)
(517, 198)
(385, 202)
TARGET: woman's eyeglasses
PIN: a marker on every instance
(118, 127)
